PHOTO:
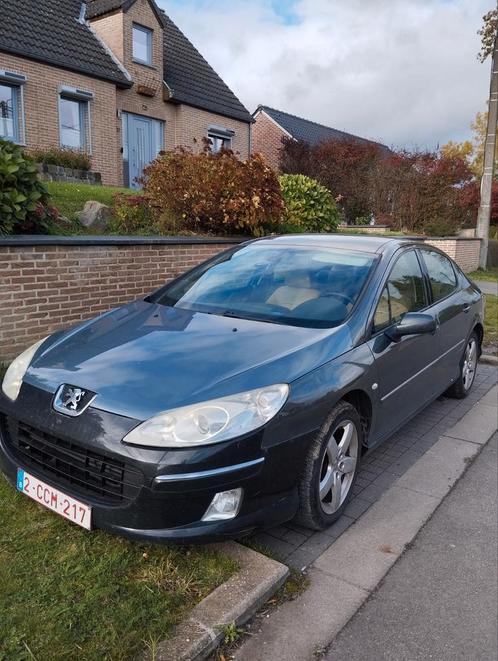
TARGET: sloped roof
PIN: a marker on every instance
(192, 80)
(50, 31)
(308, 131)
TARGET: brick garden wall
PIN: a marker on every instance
(47, 287)
(47, 283)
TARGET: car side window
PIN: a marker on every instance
(404, 292)
(441, 274)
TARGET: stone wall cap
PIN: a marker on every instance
(49, 240)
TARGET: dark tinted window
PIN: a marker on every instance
(315, 287)
(441, 274)
(404, 292)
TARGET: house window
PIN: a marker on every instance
(142, 45)
(74, 118)
(11, 107)
(220, 138)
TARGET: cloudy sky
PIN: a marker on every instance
(403, 72)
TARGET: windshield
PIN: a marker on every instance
(314, 287)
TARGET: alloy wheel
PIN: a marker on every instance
(338, 466)
(469, 364)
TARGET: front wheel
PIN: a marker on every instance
(468, 367)
(330, 469)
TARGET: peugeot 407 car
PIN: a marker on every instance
(242, 394)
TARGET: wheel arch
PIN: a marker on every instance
(479, 329)
(363, 404)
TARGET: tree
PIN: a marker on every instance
(462, 150)
(343, 166)
(489, 47)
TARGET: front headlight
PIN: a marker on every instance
(211, 422)
(12, 380)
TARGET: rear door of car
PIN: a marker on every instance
(405, 375)
(452, 308)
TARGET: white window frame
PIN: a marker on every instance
(84, 98)
(16, 81)
(150, 35)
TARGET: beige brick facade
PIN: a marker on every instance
(41, 110)
(267, 139)
(183, 125)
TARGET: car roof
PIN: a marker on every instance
(360, 242)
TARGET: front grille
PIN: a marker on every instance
(88, 472)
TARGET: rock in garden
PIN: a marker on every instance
(95, 215)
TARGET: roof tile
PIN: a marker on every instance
(308, 131)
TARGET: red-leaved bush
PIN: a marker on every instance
(417, 192)
(213, 193)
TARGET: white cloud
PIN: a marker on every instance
(400, 71)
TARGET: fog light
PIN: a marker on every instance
(225, 505)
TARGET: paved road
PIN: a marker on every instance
(440, 600)
(487, 287)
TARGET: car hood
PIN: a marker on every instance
(145, 358)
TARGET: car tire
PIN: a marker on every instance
(330, 471)
(468, 366)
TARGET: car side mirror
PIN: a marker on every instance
(413, 323)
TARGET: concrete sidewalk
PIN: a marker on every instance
(440, 600)
(351, 568)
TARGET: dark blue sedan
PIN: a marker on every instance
(244, 393)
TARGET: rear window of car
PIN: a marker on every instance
(441, 274)
(288, 284)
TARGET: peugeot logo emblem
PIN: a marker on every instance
(72, 400)
(73, 397)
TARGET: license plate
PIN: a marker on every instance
(54, 500)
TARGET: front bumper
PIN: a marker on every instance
(163, 494)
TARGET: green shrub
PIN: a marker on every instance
(440, 228)
(23, 198)
(309, 206)
(362, 220)
(213, 193)
(68, 158)
(133, 215)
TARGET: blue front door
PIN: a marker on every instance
(142, 143)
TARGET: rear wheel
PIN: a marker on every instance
(331, 468)
(468, 367)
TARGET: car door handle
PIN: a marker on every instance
(466, 307)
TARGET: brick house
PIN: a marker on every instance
(271, 126)
(114, 78)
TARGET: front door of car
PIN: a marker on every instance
(404, 371)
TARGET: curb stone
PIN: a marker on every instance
(236, 601)
(488, 359)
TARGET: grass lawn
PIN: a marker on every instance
(490, 274)
(66, 593)
(70, 198)
(491, 325)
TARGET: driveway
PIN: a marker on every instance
(299, 547)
